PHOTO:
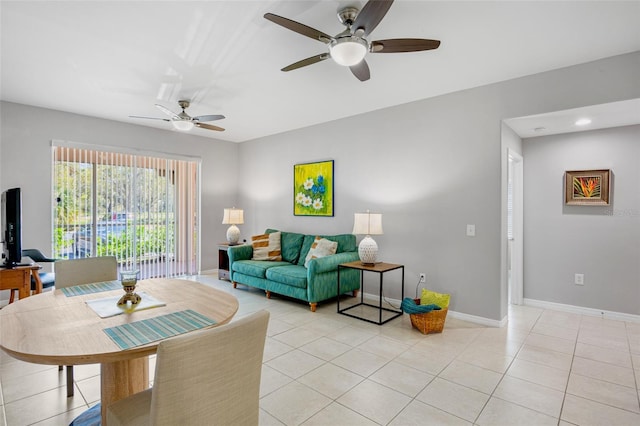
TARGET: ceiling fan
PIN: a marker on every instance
(184, 121)
(349, 47)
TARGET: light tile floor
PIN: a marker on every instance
(545, 367)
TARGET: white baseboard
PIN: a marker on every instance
(457, 315)
(601, 313)
(478, 320)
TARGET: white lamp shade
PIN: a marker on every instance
(367, 224)
(233, 216)
(182, 125)
(348, 51)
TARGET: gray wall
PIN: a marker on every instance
(430, 167)
(26, 137)
(601, 242)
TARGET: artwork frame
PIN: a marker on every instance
(313, 189)
(587, 187)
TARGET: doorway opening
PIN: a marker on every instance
(515, 229)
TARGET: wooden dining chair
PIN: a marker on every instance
(72, 272)
(207, 377)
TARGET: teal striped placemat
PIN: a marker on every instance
(78, 290)
(149, 330)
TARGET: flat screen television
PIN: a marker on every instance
(11, 227)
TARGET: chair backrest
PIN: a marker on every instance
(211, 376)
(46, 278)
(36, 255)
(73, 272)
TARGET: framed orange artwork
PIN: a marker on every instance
(587, 187)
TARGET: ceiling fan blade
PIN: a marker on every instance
(307, 61)
(403, 45)
(167, 111)
(149, 118)
(371, 15)
(299, 28)
(208, 117)
(209, 127)
(361, 70)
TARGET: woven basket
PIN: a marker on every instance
(430, 322)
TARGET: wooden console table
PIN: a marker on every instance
(20, 278)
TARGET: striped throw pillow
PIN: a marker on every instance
(266, 246)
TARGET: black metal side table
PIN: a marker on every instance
(381, 268)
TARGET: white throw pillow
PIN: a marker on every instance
(266, 246)
(321, 247)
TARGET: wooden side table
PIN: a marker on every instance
(380, 268)
(20, 278)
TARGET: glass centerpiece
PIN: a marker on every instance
(129, 279)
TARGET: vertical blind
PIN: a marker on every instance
(141, 209)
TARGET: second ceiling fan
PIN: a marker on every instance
(349, 47)
(183, 121)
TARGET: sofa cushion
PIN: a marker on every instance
(346, 242)
(290, 242)
(266, 246)
(293, 275)
(255, 268)
(321, 247)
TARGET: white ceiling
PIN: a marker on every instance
(115, 59)
(614, 114)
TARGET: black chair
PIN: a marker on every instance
(48, 280)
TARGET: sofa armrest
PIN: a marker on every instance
(329, 263)
(235, 253)
(242, 252)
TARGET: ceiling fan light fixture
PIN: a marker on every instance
(348, 51)
(182, 125)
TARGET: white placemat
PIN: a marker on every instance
(107, 306)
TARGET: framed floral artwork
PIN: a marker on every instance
(587, 187)
(313, 189)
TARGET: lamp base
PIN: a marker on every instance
(368, 251)
(233, 235)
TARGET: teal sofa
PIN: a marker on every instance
(289, 277)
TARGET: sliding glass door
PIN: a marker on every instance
(141, 209)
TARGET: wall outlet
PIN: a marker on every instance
(578, 279)
(423, 277)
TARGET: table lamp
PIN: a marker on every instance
(368, 224)
(233, 217)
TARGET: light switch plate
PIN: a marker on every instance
(471, 230)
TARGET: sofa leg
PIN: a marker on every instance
(268, 294)
(313, 306)
(355, 293)
(235, 284)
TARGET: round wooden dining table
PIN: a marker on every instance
(52, 328)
